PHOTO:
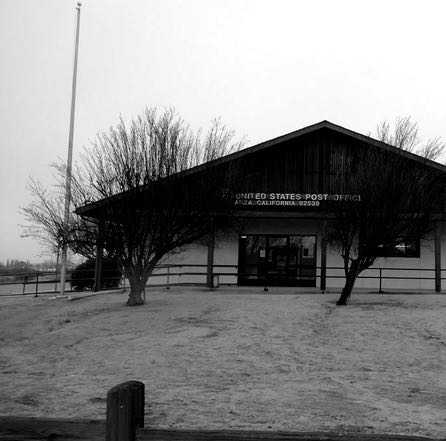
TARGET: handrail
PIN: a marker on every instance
(40, 280)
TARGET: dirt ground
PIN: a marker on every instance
(292, 362)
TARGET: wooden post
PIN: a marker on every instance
(99, 258)
(125, 411)
(37, 285)
(210, 262)
(168, 277)
(323, 285)
(437, 257)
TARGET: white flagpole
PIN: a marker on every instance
(63, 270)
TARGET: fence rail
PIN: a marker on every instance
(43, 282)
(35, 283)
(125, 422)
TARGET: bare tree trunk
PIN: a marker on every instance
(137, 282)
(137, 279)
(349, 283)
(135, 295)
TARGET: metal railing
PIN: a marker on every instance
(35, 283)
(48, 282)
(332, 272)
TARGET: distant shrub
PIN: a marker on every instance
(82, 276)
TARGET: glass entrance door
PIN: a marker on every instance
(278, 259)
(285, 260)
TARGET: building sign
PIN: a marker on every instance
(292, 199)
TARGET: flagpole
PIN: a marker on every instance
(63, 270)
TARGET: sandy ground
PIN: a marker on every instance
(255, 361)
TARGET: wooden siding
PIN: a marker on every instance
(312, 162)
(309, 164)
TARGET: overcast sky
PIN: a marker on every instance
(267, 67)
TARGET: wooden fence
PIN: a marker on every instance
(125, 422)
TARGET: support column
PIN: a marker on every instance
(324, 257)
(210, 262)
(99, 258)
(437, 256)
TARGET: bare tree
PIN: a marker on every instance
(398, 200)
(404, 135)
(432, 150)
(44, 218)
(134, 181)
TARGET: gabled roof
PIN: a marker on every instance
(275, 141)
(313, 128)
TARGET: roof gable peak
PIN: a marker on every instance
(325, 124)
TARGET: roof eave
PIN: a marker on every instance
(266, 144)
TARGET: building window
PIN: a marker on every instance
(407, 248)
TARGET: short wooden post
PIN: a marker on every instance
(125, 411)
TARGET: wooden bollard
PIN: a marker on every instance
(125, 411)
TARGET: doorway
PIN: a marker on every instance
(277, 260)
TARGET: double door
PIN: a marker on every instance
(284, 260)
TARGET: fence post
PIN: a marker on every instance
(210, 257)
(125, 411)
(324, 242)
(380, 281)
(24, 283)
(55, 283)
(437, 257)
(37, 285)
(168, 277)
